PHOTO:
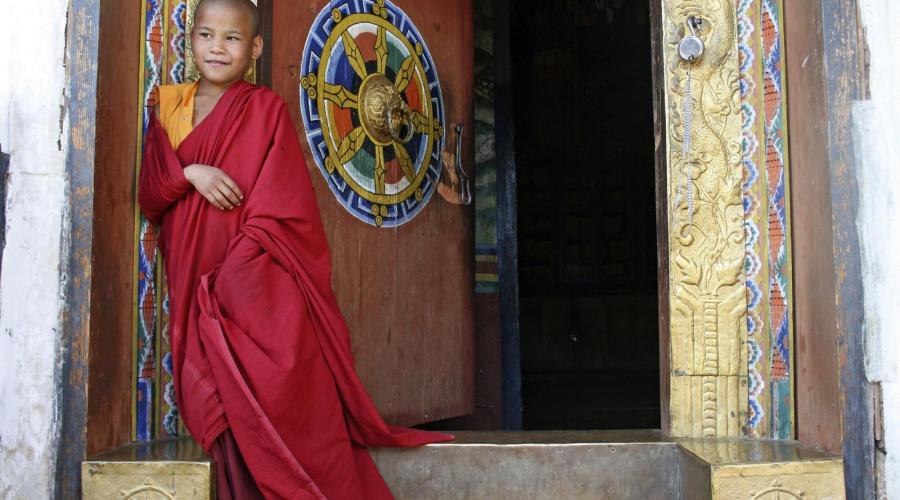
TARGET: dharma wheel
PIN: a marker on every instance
(372, 109)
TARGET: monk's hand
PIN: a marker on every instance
(214, 185)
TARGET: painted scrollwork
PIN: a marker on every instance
(706, 239)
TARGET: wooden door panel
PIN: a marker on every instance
(406, 292)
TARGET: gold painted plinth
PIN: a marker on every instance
(759, 469)
(165, 470)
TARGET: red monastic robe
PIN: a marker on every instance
(259, 344)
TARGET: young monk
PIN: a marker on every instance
(263, 370)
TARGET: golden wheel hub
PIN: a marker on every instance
(383, 113)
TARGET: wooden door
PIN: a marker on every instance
(402, 254)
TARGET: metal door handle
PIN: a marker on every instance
(465, 189)
(395, 125)
(383, 112)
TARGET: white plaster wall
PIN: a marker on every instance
(877, 138)
(32, 84)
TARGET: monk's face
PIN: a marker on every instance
(223, 42)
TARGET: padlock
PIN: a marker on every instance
(691, 46)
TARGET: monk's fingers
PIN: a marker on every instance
(229, 193)
(218, 200)
(214, 202)
(232, 186)
(222, 195)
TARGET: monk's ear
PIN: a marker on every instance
(257, 47)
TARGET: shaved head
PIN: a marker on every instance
(247, 6)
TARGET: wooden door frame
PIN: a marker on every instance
(507, 223)
(657, 51)
(95, 405)
(826, 68)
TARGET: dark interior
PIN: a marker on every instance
(583, 121)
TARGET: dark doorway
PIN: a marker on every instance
(583, 120)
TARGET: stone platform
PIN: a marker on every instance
(518, 465)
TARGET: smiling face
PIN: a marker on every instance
(224, 42)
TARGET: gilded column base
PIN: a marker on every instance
(708, 406)
(164, 470)
(755, 469)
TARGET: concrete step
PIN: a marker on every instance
(642, 465)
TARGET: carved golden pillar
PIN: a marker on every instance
(708, 306)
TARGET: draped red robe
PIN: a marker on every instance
(259, 345)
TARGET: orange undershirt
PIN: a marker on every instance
(176, 110)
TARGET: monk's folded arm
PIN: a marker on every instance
(162, 180)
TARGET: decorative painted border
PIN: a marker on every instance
(146, 266)
(168, 424)
(162, 62)
(487, 272)
(748, 48)
(780, 261)
(766, 203)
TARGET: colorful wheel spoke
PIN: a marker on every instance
(405, 162)
(351, 145)
(379, 169)
(381, 50)
(339, 95)
(354, 55)
(421, 123)
(404, 75)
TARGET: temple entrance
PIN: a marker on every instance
(587, 296)
(586, 214)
